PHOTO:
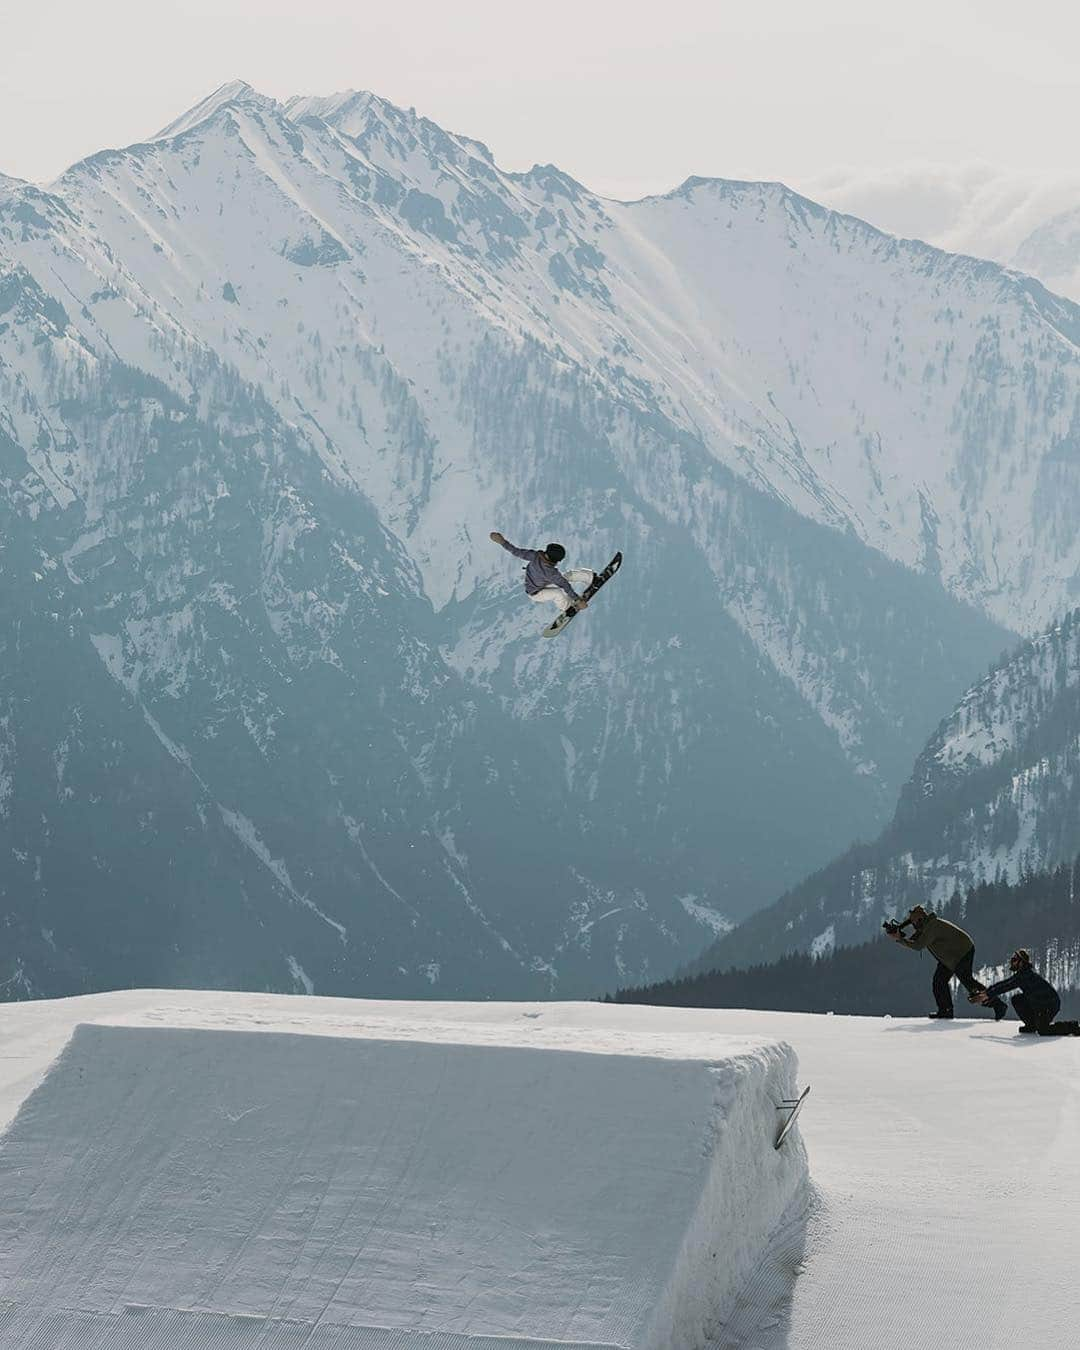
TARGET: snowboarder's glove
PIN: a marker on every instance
(496, 537)
(581, 603)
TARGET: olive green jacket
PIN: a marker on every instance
(941, 939)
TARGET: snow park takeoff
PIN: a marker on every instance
(231, 1170)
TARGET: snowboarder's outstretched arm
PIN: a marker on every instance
(527, 554)
(541, 572)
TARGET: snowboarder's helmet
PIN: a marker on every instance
(1020, 958)
(555, 552)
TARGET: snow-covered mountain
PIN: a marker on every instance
(1052, 251)
(885, 387)
(277, 710)
(994, 797)
(1025, 220)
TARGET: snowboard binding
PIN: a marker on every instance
(598, 580)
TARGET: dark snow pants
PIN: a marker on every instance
(943, 978)
(1040, 1016)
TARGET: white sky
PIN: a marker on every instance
(629, 97)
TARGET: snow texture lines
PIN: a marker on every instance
(942, 1209)
(177, 1186)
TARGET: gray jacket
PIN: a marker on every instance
(540, 572)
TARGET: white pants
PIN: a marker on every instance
(578, 577)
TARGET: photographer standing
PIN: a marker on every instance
(954, 951)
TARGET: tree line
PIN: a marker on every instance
(1040, 911)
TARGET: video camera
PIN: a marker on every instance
(892, 926)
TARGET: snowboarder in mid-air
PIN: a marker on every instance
(1037, 1003)
(544, 582)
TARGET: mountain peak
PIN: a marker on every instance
(352, 112)
(336, 108)
(553, 181)
(764, 188)
(233, 92)
(357, 113)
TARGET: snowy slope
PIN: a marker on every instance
(255, 1185)
(942, 1158)
(994, 796)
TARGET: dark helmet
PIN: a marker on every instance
(555, 552)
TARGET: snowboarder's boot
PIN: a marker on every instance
(1025, 1030)
(942, 1015)
(599, 578)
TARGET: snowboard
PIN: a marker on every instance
(590, 590)
(794, 1106)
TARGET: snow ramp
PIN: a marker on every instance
(172, 1187)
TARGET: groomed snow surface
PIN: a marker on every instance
(240, 1170)
(213, 1170)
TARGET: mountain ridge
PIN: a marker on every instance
(450, 348)
(992, 799)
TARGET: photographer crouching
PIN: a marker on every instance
(1038, 1002)
(954, 951)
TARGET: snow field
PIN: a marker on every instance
(243, 1170)
(946, 1171)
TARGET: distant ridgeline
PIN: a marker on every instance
(1040, 912)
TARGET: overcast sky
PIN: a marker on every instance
(629, 97)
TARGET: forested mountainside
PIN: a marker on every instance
(994, 795)
(273, 702)
(874, 978)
